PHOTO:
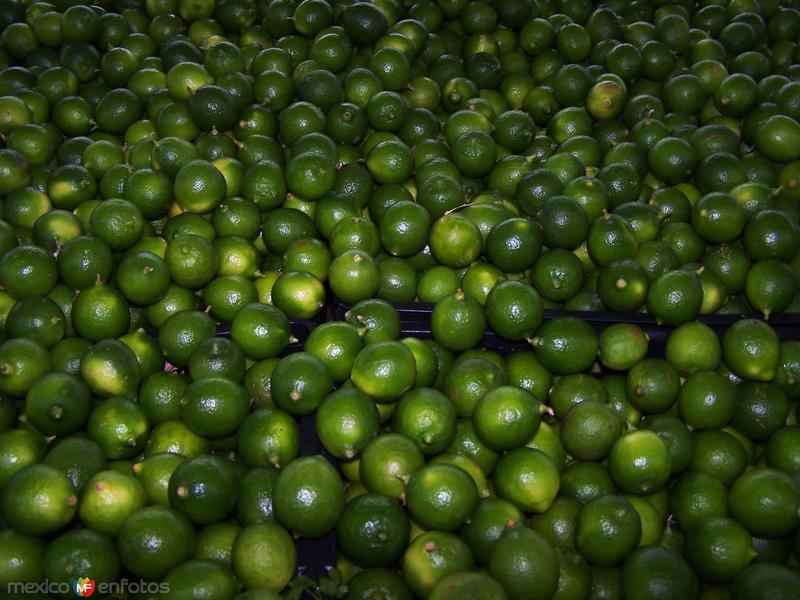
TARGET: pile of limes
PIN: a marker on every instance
(182, 181)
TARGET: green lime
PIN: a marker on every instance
(527, 478)
(639, 462)
(696, 498)
(766, 502)
(353, 276)
(476, 585)
(200, 489)
(719, 549)
(426, 416)
(622, 346)
(109, 498)
(441, 496)
(384, 370)
(39, 499)
(514, 310)
(720, 454)
(201, 577)
(525, 563)
(308, 496)
(458, 322)
(346, 422)
(506, 417)
(608, 530)
(268, 437)
(655, 572)
(22, 557)
(58, 403)
(119, 426)
(110, 368)
(707, 400)
(589, 430)
(153, 540)
(751, 349)
(262, 331)
(388, 462)
(214, 407)
(432, 556)
(455, 240)
(299, 383)
(154, 473)
(566, 345)
(264, 556)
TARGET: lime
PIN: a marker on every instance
(268, 437)
(608, 530)
(264, 556)
(458, 322)
(751, 349)
(299, 383)
(525, 564)
(707, 400)
(262, 331)
(514, 310)
(109, 498)
(308, 496)
(527, 478)
(432, 556)
(441, 496)
(589, 430)
(346, 421)
(201, 576)
(455, 240)
(58, 403)
(426, 416)
(622, 346)
(719, 549)
(200, 489)
(566, 345)
(720, 454)
(655, 572)
(639, 462)
(506, 417)
(387, 464)
(384, 370)
(254, 501)
(766, 502)
(38, 499)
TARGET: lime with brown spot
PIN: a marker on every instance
(109, 498)
(622, 345)
(432, 556)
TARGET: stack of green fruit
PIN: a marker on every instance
(180, 180)
(584, 468)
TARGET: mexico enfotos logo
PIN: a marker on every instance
(85, 587)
